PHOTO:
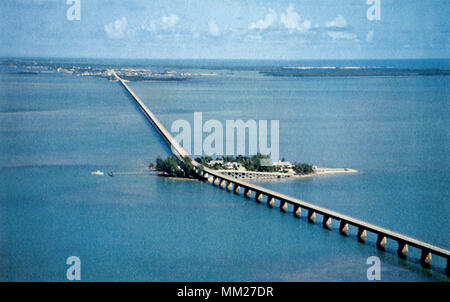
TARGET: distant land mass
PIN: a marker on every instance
(157, 71)
(33, 67)
(352, 72)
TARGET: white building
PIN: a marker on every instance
(234, 166)
(214, 162)
(283, 164)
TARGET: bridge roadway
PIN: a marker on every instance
(234, 184)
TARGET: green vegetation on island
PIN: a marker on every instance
(256, 163)
(174, 167)
(303, 168)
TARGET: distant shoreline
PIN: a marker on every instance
(131, 70)
(355, 71)
(329, 171)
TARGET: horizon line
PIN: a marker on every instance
(216, 59)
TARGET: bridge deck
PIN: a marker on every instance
(180, 152)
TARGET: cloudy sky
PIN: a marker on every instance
(255, 29)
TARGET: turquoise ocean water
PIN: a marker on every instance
(55, 129)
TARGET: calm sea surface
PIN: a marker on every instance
(55, 129)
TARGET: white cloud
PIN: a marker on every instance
(270, 19)
(169, 21)
(369, 36)
(339, 35)
(339, 21)
(213, 28)
(291, 20)
(165, 23)
(116, 29)
(305, 26)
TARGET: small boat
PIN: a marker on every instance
(110, 173)
(98, 172)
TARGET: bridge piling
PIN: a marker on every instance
(230, 186)
(425, 258)
(381, 242)
(362, 235)
(247, 193)
(311, 216)
(270, 201)
(402, 250)
(297, 211)
(343, 228)
(258, 197)
(237, 188)
(283, 206)
(326, 223)
(223, 184)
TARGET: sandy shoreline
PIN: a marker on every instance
(328, 171)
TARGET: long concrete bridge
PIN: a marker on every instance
(287, 203)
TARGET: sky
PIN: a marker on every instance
(226, 29)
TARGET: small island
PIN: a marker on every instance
(256, 167)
